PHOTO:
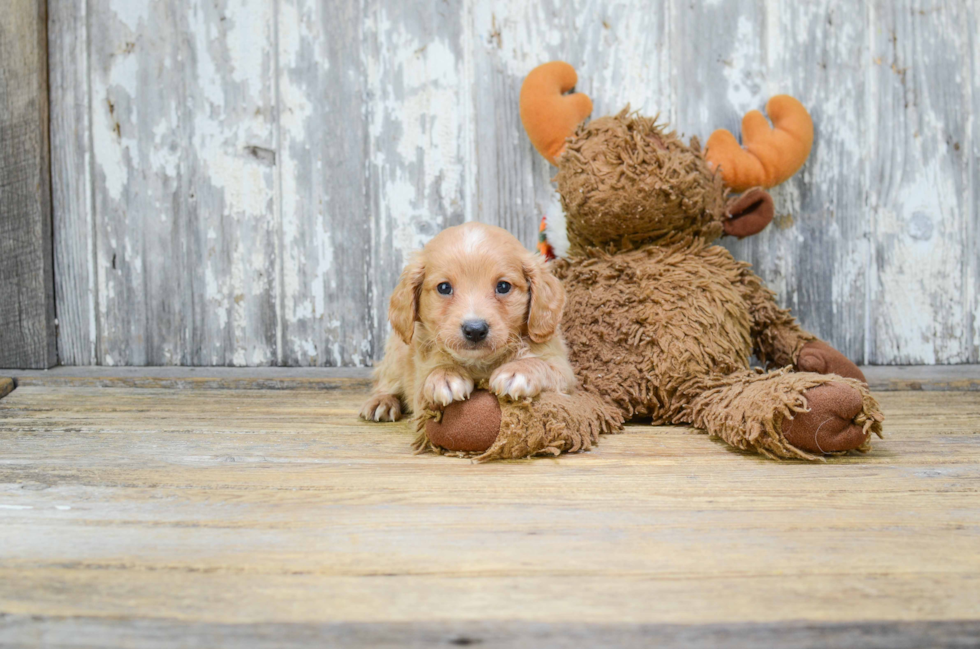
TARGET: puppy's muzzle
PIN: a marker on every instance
(475, 330)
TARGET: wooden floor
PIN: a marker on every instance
(150, 516)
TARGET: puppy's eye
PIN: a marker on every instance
(503, 288)
(445, 288)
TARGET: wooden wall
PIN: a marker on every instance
(238, 182)
(27, 318)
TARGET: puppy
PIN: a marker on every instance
(474, 304)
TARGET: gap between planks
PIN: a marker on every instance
(881, 378)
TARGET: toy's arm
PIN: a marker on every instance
(776, 336)
(778, 340)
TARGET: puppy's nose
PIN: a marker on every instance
(475, 330)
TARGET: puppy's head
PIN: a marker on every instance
(476, 290)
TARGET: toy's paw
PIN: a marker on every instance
(511, 380)
(382, 407)
(444, 386)
(831, 425)
(819, 357)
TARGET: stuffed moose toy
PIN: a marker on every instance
(660, 323)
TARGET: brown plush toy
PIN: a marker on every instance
(661, 324)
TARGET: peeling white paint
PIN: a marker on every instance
(132, 13)
(746, 83)
(918, 261)
(405, 116)
(424, 120)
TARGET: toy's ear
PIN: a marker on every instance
(749, 213)
(771, 155)
(546, 302)
(403, 310)
(548, 114)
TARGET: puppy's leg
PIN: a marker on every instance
(385, 402)
(444, 385)
(528, 377)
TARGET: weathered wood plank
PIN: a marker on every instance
(71, 183)
(921, 185)
(27, 320)
(307, 597)
(922, 377)
(326, 223)
(153, 633)
(202, 509)
(889, 378)
(207, 381)
(971, 239)
(217, 373)
(183, 130)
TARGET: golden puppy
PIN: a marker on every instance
(474, 304)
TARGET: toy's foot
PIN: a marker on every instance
(831, 423)
(819, 357)
(488, 428)
(382, 407)
(469, 426)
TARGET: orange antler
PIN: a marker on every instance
(550, 116)
(771, 155)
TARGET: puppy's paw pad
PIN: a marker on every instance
(442, 387)
(515, 385)
(382, 407)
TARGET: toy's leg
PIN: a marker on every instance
(788, 414)
(549, 424)
(778, 339)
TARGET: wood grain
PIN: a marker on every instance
(183, 159)
(71, 183)
(27, 324)
(261, 194)
(922, 205)
(326, 314)
(204, 510)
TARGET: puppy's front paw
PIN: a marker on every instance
(511, 381)
(442, 387)
(382, 407)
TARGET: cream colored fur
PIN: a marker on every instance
(429, 362)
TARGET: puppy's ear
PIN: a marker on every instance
(403, 311)
(546, 301)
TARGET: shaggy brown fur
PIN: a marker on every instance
(623, 178)
(661, 324)
(551, 424)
